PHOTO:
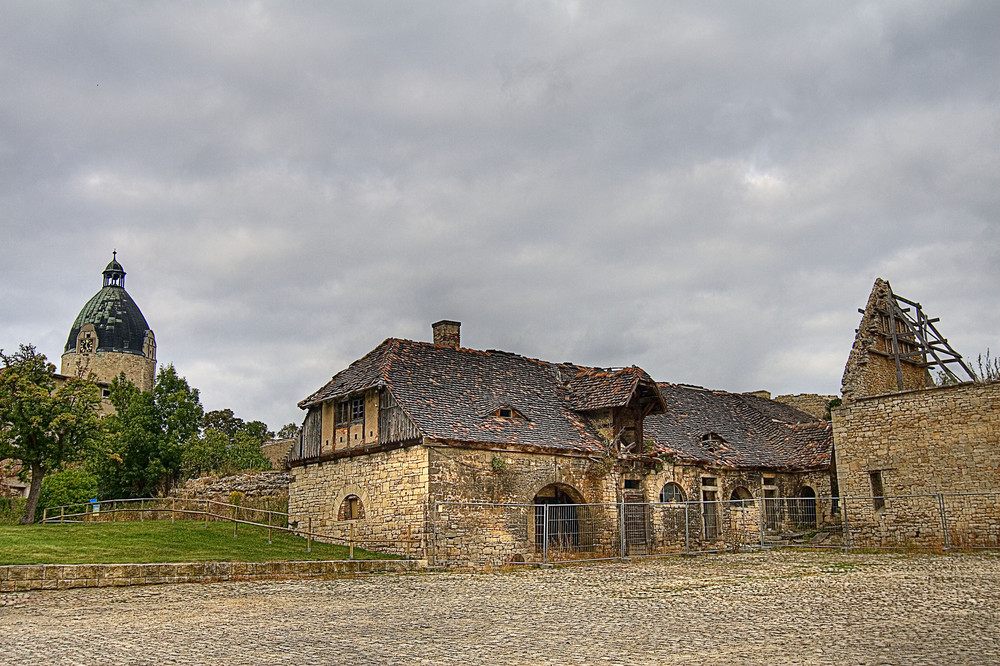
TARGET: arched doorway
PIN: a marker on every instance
(557, 518)
(807, 507)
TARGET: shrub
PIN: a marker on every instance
(11, 509)
(71, 486)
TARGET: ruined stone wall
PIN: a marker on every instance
(868, 372)
(276, 451)
(810, 403)
(392, 489)
(106, 366)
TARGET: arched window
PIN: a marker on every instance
(741, 497)
(351, 508)
(671, 492)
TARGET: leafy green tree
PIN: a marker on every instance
(206, 453)
(146, 436)
(44, 424)
(227, 445)
(288, 431)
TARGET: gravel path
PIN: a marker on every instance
(754, 608)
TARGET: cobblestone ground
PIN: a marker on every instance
(773, 608)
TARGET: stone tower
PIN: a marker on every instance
(110, 336)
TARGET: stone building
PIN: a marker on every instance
(110, 336)
(412, 426)
(902, 444)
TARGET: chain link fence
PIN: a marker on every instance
(499, 534)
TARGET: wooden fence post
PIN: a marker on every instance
(62, 513)
(309, 536)
(45, 514)
(351, 541)
(409, 532)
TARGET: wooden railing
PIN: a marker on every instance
(157, 508)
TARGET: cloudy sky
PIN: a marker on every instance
(703, 189)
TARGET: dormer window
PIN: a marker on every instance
(711, 441)
(506, 412)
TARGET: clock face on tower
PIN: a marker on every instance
(85, 345)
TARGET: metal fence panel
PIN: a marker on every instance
(513, 533)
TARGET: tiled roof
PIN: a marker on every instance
(755, 432)
(598, 388)
(451, 394)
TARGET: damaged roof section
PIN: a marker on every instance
(591, 389)
(737, 430)
(450, 393)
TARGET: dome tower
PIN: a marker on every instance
(110, 336)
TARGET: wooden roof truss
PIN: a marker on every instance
(915, 340)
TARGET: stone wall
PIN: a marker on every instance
(944, 439)
(467, 505)
(511, 480)
(391, 487)
(810, 403)
(939, 440)
(276, 451)
(253, 486)
(22, 578)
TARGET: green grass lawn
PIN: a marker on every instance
(158, 541)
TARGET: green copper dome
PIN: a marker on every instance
(117, 320)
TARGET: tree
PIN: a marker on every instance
(288, 431)
(226, 445)
(44, 424)
(146, 436)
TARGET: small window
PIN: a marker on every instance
(351, 508)
(505, 412)
(878, 494)
(343, 413)
(708, 481)
(357, 410)
(671, 492)
(632, 484)
(768, 480)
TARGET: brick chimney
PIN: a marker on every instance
(447, 333)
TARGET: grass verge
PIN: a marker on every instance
(159, 541)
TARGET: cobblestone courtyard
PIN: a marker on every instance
(773, 608)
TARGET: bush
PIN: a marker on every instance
(71, 486)
(11, 509)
